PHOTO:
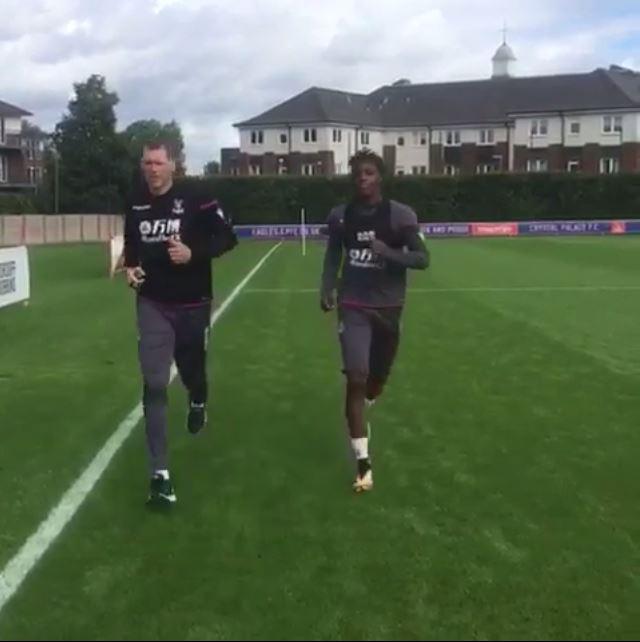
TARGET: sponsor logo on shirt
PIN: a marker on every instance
(364, 258)
(159, 230)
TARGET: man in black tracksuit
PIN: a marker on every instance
(171, 235)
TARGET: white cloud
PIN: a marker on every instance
(75, 26)
(209, 63)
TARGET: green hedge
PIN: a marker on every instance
(17, 204)
(497, 197)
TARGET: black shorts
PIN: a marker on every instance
(369, 338)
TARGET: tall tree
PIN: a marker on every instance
(142, 131)
(93, 164)
(212, 168)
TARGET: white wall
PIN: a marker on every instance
(271, 138)
(343, 150)
(469, 135)
(522, 135)
(13, 126)
(591, 131)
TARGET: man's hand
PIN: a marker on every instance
(135, 277)
(179, 253)
(379, 247)
(328, 301)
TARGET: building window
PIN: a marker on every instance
(486, 168)
(400, 141)
(257, 137)
(419, 169)
(308, 169)
(400, 171)
(2, 131)
(487, 137)
(452, 138)
(612, 124)
(574, 127)
(420, 139)
(311, 135)
(283, 139)
(364, 138)
(539, 127)
(282, 166)
(337, 135)
(538, 165)
(451, 170)
(609, 165)
(255, 170)
(32, 174)
(4, 174)
(573, 166)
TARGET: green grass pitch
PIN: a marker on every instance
(506, 455)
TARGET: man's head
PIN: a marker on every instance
(367, 172)
(158, 166)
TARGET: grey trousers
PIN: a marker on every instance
(168, 333)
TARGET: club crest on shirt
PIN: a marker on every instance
(366, 236)
(178, 206)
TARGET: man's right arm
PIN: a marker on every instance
(332, 263)
(131, 242)
(135, 273)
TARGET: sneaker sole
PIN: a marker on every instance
(162, 499)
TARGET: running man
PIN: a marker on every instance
(372, 242)
(171, 236)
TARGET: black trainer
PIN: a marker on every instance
(197, 417)
(161, 491)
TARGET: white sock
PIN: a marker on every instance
(360, 447)
(162, 473)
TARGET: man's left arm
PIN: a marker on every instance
(413, 254)
(217, 235)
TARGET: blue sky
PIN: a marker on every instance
(209, 63)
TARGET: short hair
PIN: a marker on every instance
(161, 143)
(367, 156)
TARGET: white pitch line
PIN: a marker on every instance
(21, 564)
(568, 288)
